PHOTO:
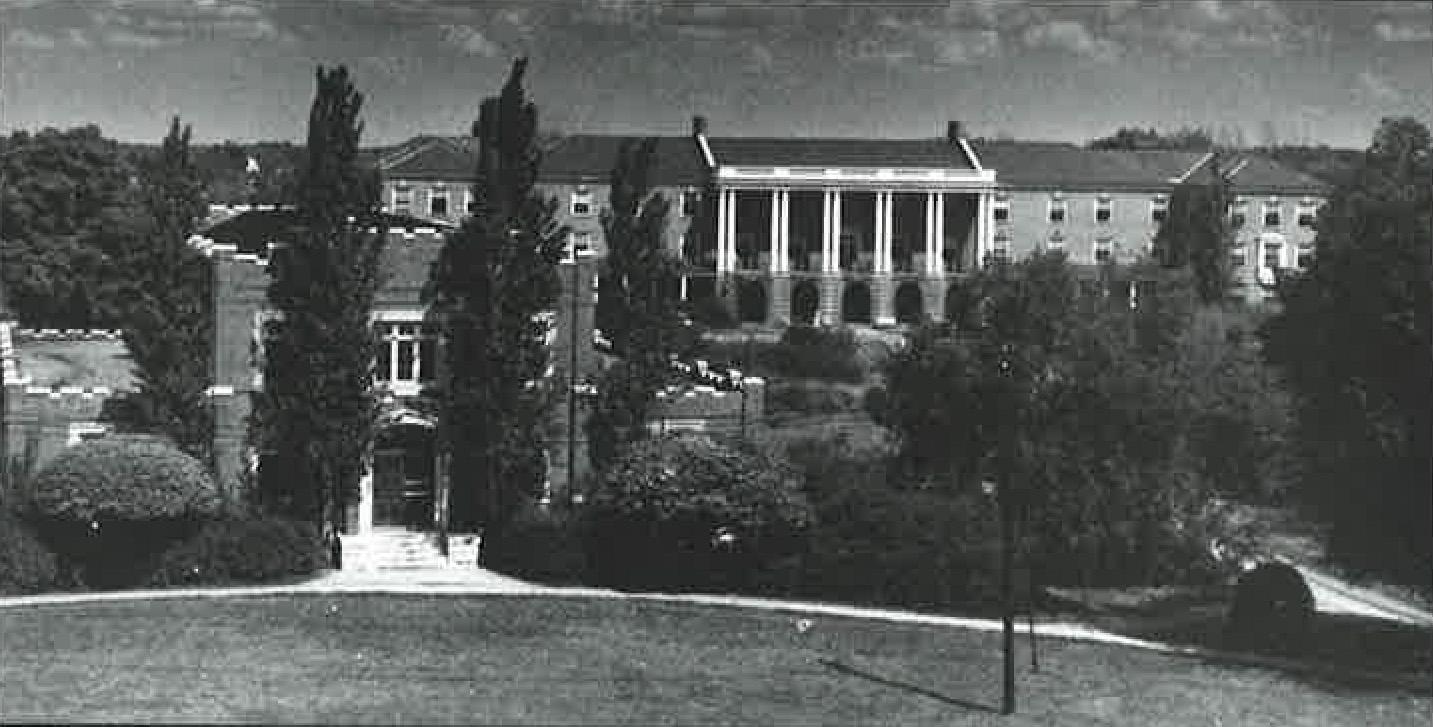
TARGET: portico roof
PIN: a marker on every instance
(840, 153)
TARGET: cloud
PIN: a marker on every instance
(30, 40)
(126, 38)
(1073, 37)
(1209, 27)
(966, 46)
(151, 25)
(1378, 88)
(1390, 33)
(470, 41)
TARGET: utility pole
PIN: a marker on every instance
(572, 381)
(1003, 492)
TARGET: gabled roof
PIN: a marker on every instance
(836, 153)
(1066, 166)
(676, 160)
(575, 159)
(1250, 174)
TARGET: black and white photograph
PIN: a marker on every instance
(744, 362)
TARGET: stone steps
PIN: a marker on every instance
(407, 550)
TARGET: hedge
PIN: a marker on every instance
(243, 551)
(26, 565)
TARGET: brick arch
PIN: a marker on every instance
(909, 304)
(805, 303)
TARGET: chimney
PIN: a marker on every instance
(953, 132)
(699, 125)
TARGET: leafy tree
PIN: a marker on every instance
(637, 305)
(168, 321)
(1354, 338)
(317, 409)
(1135, 138)
(69, 198)
(493, 286)
(1197, 234)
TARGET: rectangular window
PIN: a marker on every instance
(1308, 215)
(1001, 211)
(1306, 257)
(1236, 220)
(1272, 215)
(406, 353)
(402, 198)
(1057, 211)
(1159, 210)
(999, 249)
(1056, 242)
(1238, 257)
(1273, 253)
(438, 204)
(1102, 210)
(691, 202)
(582, 204)
(1104, 249)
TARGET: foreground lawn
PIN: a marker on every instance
(575, 661)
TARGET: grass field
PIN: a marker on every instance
(575, 661)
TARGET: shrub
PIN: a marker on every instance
(818, 353)
(26, 565)
(109, 506)
(685, 511)
(808, 398)
(548, 547)
(1273, 609)
(242, 551)
(712, 312)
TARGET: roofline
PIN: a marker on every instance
(706, 151)
(970, 154)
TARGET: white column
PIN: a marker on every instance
(885, 202)
(365, 501)
(930, 246)
(982, 228)
(937, 264)
(835, 259)
(774, 243)
(721, 231)
(785, 231)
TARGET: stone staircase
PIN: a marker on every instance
(401, 549)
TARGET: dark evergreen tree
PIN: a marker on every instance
(1354, 337)
(638, 306)
(168, 312)
(317, 409)
(492, 291)
(1197, 234)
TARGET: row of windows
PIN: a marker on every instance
(1103, 250)
(583, 203)
(1158, 212)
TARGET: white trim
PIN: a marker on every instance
(914, 178)
(970, 155)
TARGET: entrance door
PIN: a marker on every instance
(403, 479)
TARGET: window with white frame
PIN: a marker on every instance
(1000, 210)
(1056, 241)
(582, 204)
(1000, 248)
(1057, 210)
(407, 352)
(1238, 255)
(1308, 214)
(402, 198)
(438, 202)
(579, 241)
(468, 204)
(1104, 248)
(1239, 213)
(1159, 209)
(1272, 214)
(1273, 254)
(1103, 208)
(1305, 256)
(85, 432)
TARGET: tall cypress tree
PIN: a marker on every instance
(168, 316)
(1197, 234)
(638, 306)
(317, 409)
(492, 289)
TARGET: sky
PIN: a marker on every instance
(1320, 72)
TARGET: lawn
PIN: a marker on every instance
(578, 661)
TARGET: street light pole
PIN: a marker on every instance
(1003, 494)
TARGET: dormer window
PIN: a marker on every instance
(582, 203)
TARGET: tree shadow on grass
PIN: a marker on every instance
(849, 670)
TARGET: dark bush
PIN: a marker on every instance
(684, 511)
(712, 312)
(242, 551)
(108, 507)
(26, 565)
(547, 547)
(808, 398)
(817, 353)
(1273, 610)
